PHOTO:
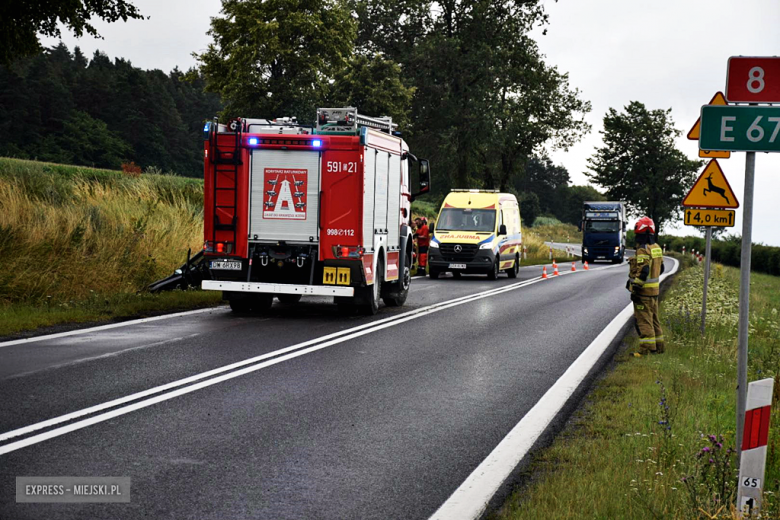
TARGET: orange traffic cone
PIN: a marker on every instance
(554, 264)
(555, 270)
(544, 273)
(585, 265)
(573, 267)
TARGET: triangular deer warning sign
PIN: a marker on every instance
(693, 134)
(711, 190)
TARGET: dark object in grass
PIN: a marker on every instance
(191, 274)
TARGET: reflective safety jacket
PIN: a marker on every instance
(646, 268)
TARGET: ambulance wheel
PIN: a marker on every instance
(512, 271)
(289, 299)
(493, 274)
(399, 291)
(433, 273)
(373, 293)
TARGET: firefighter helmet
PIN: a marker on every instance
(644, 225)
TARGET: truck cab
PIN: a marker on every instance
(603, 229)
(477, 232)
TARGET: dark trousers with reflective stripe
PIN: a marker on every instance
(648, 325)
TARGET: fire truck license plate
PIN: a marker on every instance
(233, 266)
(457, 266)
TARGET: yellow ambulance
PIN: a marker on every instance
(478, 231)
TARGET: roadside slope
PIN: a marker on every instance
(78, 244)
(654, 439)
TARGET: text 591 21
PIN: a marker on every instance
(341, 167)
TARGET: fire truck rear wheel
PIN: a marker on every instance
(289, 299)
(262, 302)
(398, 291)
(373, 293)
(241, 306)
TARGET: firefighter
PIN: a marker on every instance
(423, 240)
(643, 283)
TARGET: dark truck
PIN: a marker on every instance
(603, 229)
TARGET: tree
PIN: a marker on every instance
(484, 98)
(24, 20)
(544, 179)
(529, 207)
(640, 164)
(275, 58)
(64, 108)
(374, 85)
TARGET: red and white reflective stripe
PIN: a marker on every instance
(756, 431)
(752, 464)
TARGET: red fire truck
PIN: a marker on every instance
(325, 210)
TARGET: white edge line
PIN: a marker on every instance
(471, 498)
(345, 336)
(109, 326)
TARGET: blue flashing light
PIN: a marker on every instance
(253, 141)
(206, 127)
(316, 143)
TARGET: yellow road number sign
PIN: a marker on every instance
(709, 217)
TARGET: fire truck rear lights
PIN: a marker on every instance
(348, 251)
(316, 143)
(220, 247)
(253, 141)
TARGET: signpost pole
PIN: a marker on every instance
(706, 279)
(744, 297)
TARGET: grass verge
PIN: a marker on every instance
(79, 244)
(20, 317)
(655, 436)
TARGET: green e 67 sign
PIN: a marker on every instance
(740, 128)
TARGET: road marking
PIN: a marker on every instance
(107, 327)
(344, 335)
(469, 501)
(284, 354)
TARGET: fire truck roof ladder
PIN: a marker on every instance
(347, 121)
(226, 161)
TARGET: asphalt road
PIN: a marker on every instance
(380, 417)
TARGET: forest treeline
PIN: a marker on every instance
(63, 107)
(60, 106)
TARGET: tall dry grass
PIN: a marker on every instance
(69, 233)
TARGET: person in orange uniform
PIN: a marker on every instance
(643, 284)
(423, 241)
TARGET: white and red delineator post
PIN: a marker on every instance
(754, 442)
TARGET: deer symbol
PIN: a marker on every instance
(715, 189)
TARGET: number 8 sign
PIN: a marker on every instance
(753, 80)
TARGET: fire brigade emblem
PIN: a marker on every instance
(285, 193)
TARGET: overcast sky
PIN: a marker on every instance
(665, 54)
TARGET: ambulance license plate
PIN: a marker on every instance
(457, 266)
(230, 266)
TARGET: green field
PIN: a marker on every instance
(655, 437)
